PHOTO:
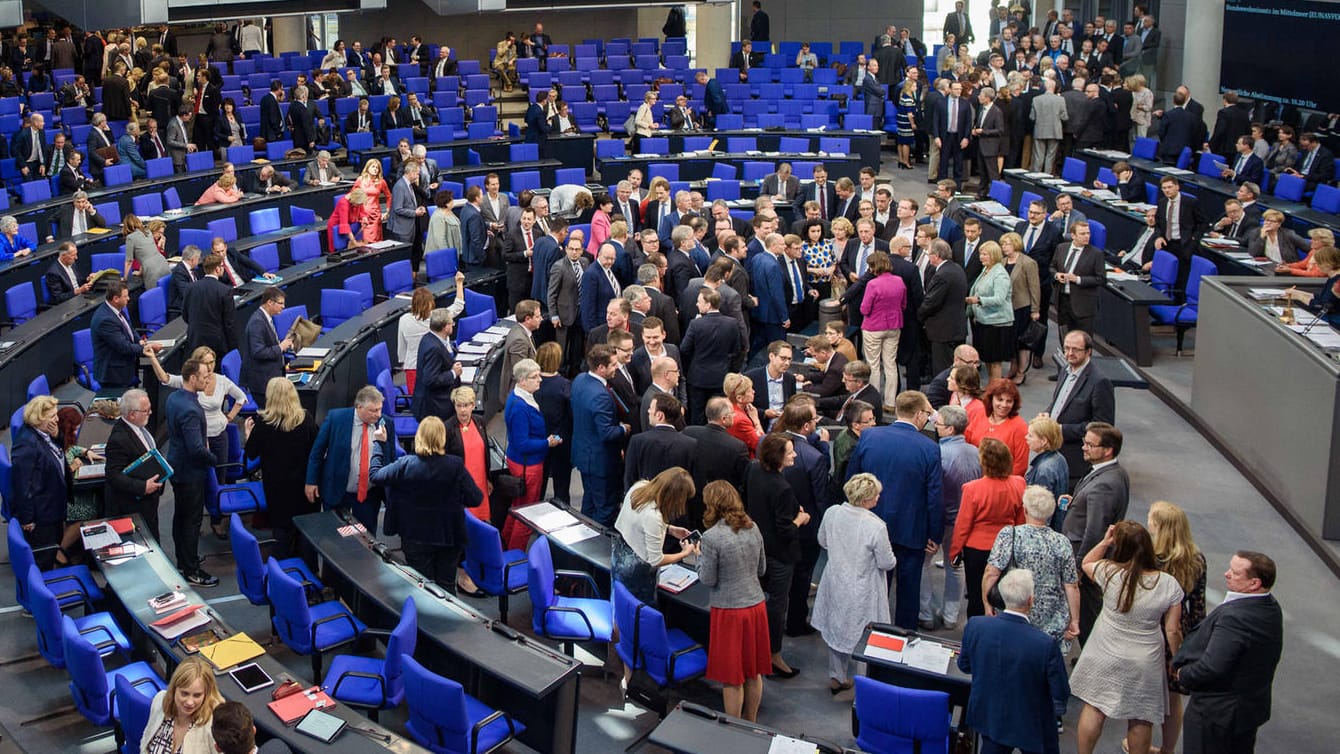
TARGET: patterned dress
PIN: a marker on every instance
(1193, 612)
(1049, 556)
(907, 107)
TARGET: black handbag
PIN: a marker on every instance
(1034, 337)
(993, 597)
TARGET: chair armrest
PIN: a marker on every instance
(590, 630)
(345, 616)
(479, 727)
(507, 570)
(403, 402)
(674, 656)
(579, 576)
(241, 488)
(381, 633)
(110, 642)
(79, 585)
(381, 683)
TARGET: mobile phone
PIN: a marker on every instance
(163, 598)
(694, 537)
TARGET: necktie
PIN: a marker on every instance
(79, 222)
(823, 199)
(1063, 395)
(364, 457)
(797, 285)
(1233, 231)
(1172, 218)
(158, 145)
(1029, 238)
(623, 410)
(1307, 162)
(861, 262)
(613, 283)
(57, 161)
(1070, 263)
(228, 271)
(577, 272)
(125, 322)
(530, 261)
(953, 115)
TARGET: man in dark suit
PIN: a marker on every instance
(1315, 165)
(598, 288)
(72, 179)
(1019, 678)
(1245, 166)
(823, 378)
(1079, 272)
(547, 250)
(660, 375)
(624, 205)
(810, 481)
(347, 434)
(848, 203)
(31, 152)
(439, 373)
(1089, 119)
(627, 400)
(116, 93)
(99, 137)
(958, 24)
(1230, 122)
(680, 268)
(474, 235)
(262, 349)
(191, 459)
(152, 145)
(62, 279)
(951, 123)
(116, 350)
(660, 446)
(1228, 662)
(821, 190)
(129, 439)
(774, 383)
(942, 312)
(854, 260)
(1178, 129)
(714, 98)
(1082, 395)
(989, 131)
(537, 126)
(720, 456)
(857, 387)
(302, 121)
(782, 186)
(1234, 224)
(563, 297)
(183, 276)
(236, 267)
(908, 463)
(1100, 500)
(654, 347)
(710, 346)
(1180, 224)
(597, 437)
(208, 309)
(744, 58)
(681, 116)
(1040, 241)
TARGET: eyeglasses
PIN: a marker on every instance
(1087, 444)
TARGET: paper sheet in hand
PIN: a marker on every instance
(885, 647)
(789, 745)
(573, 534)
(928, 655)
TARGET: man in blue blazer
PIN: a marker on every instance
(1019, 685)
(597, 437)
(597, 289)
(272, 120)
(473, 236)
(709, 347)
(908, 463)
(116, 350)
(776, 371)
(191, 460)
(439, 372)
(548, 249)
(1246, 166)
(262, 350)
(537, 125)
(765, 274)
(348, 434)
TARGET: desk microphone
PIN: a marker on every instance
(382, 551)
(370, 733)
(1325, 310)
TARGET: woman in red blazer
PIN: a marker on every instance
(344, 219)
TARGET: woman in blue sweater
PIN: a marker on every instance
(527, 445)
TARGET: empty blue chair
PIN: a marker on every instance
(20, 303)
(1145, 148)
(398, 277)
(727, 190)
(83, 358)
(395, 405)
(197, 237)
(1163, 271)
(730, 122)
(756, 171)
(1205, 165)
(306, 630)
(1184, 317)
(153, 309)
(377, 361)
(376, 683)
(242, 154)
(305, 246)
(667, 655)
(724, 171)
(337, 306)
(251, 567)
(133, 710)
(362, 284)
(1106, 176)
(264, 220)
(655, 145)
(199, 161)
(1290, 187)
(266, 255)
(71, 585)
(467, 327)
(741, 144)
(38, 386)
(565, 619)
(895, 719)
(1184, 159)
(524, 152)
(496, 572)
(1000, 192)
(523, 180)
(32, 192)
(446, 720)
(481, 303)
(1097, 234)
(159, 167)
(114, 261)
(570, 175)
(91, 684)
(1073, 170)
(170, 198)
(1326, 199)
(276, 150)
(224, 227)
(99, 629)
(834, 145)
(440, 264)
(147, 205)
(666, 170)
(859, 122)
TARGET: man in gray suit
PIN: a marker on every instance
(564, 305)
(989, 130)
(519, 343)
(1100, 500)
(405, 209)
(1048, 113)
(1079, 273)
(781, 185)
(179, 139)
(1082, 395)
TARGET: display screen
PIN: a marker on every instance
(1263, 52)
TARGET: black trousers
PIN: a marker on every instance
(436, 562)
(1067, 319)
(1090, 605)
(942, 354)
(558, 468)
(1183, 251)
(951, 154)
(572, 338)
(974, 567)
(698, 398)
(187, 512)
(777, 586)
(1200, 736)
(798, 604)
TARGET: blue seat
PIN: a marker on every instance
(114, 261)
(496, 572)
(1000, 192)
(376, 683)
(655, 145)
(71, 585)
(477, 303)
(445, 719)
(569, 175)
(38, 386)
(224, 227)
(1184, 159)
(1205, 165)
(396, 405)
(264, 220)
(398, 277)
(301, 215)
(859, 121)
(83, 359)
(170, 198)
(379, 360)
(276, 150)
(523, 152)
(469, 326)
(266, 255)
(565, 619)
(1026, 198)
(153, 310)
(1106, 176)
(337, 306)
(251, 567)
(362, 285)
(20, 303)
(242, 154)
(1290, 187)
(1184, 317)
(895, 720)
(741, 144)
(667, 655)
(440, 264)
(724, 171)
(285, 319)
(306, 630)
(305, 246)
(1163, 271)
(1145, 148)
(727, 190)
(159, 167)
(1073, 170)
(666, 170)
(756, 171)
(99, 629)
(91, 684)
(197, 237)
(147, 205)
(32, 192)
(134, 709)
(199, 161)
(1326, 199)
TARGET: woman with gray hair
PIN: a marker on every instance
(528, 443)
(1048, 554)
(11, 243)
(853, 591)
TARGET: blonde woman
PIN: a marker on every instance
(991, 309)
(747, 426)
(1025, 295)
(282, 435)
(374, 188)
(1276, 242)
(222, 191)
(140, 247)
(1177, 556)
(645, 121)
(1142, 105)
(180, 715)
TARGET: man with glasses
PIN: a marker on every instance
(774, 384)
(1100, 500)
(1082, 395)
(262, 348)
(908, 463)
(937, 392)
(1040, 241)
(856, 382)
(132, 493)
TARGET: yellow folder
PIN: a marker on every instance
(236, 649)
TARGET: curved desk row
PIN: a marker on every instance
(136, 581)
(571, 151)
(698, 166)
(498, 666)
(865, 144)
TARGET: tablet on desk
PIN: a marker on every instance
(322, 726)
(251, 677)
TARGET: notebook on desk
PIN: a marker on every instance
(291, 708)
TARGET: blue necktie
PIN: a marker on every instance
(797, 285)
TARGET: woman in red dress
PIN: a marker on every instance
(374, 186)
(467, 438)
(739, 391)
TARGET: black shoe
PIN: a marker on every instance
(1037, 361)
(202, 579)
(777, 673)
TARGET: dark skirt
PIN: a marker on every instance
(636, 574)
(994, 342)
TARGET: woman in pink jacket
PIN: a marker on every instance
(600, 223)
(882, 309)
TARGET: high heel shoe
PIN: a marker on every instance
(783, 675)
(841, 687)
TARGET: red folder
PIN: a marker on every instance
(885, 641)
(122, 526)
(291, 708)
(181, 614)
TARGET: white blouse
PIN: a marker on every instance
(215, 420)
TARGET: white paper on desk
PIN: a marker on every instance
(1111, 275)
(105, 538)
(788, 745)
(571, 535)
(1016, 171)
(386, 244)
(468, 374)
(132, 550)
(473, 347)
(1105, 195)
(1325, 338)
(1072, 189)
(1053, 181)
(1038, 176)
(313, 352)
(1173, 171)
(928, 655)
(554, 520)
(488, 337)
(880, 653)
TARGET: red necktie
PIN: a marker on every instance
(529, 245)
(364, 457)
(159, 146)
